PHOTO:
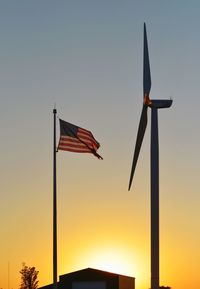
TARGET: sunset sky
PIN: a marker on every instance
(86, 56)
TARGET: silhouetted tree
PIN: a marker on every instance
(28, 277)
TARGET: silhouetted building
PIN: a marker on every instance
(93, 279)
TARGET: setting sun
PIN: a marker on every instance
(114, 258)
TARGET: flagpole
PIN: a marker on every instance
(54, 206)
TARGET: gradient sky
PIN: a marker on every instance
(86, 56)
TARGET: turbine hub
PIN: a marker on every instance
(147, 100)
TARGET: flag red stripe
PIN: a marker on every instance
(87, 137)
(84, 131)
(75, 145)
(84, 139)
(80, 145)
(75, 149)
(86, 142)
(69, 139)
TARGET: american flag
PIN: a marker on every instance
(77, 139)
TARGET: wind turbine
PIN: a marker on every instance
(154, 104)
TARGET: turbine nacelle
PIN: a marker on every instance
(156, 103)
(159, 103)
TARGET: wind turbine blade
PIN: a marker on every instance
(146, 66)
(140, 136)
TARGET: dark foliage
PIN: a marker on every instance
(28, 277)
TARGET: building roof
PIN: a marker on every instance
(89, 271)
(90, 274)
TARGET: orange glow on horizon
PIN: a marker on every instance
(114, 259)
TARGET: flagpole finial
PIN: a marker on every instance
(54, 109)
